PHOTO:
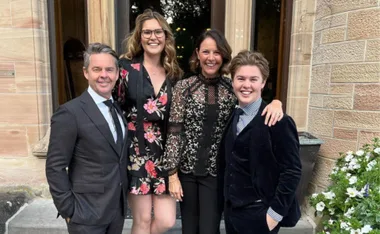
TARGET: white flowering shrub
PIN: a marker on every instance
(351, 204)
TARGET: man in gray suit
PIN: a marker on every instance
(87, 157)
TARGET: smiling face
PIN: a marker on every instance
(101, 74)
(155, 43)
(210, 58)
(247, 84)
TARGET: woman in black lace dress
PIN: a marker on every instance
(201, 106)
(147, 72)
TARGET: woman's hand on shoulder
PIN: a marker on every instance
(273, 112)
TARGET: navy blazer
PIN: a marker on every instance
(275, 166)
(96, 178)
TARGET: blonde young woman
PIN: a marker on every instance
(147, 73)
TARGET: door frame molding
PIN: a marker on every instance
(53, 52)
(284, 48)
(218, 15)
(122, 28)
(287, 35)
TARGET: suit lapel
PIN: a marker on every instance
(93, 112)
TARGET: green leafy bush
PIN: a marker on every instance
(351, 204)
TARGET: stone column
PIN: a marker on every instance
(300, 61)
(238, 24)
(101, 22)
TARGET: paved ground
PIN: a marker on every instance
(39, 217)
(10, 202)
(15, 191)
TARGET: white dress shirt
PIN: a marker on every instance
(99, 101)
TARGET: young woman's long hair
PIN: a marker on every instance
(168, 56)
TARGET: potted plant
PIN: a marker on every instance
(351, 204)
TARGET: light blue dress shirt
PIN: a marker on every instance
(249, 112)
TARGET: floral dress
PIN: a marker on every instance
(147, 175)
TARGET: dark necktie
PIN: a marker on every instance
(119, 132)
(235, 120)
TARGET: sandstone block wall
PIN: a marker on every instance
(25, 92)
(344, 107)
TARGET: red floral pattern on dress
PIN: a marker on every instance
(131, 126)
(136, 66)
(147, 126)
(150, 168)
(134, 191)
(146, 169)
(151, 106)
(163, 99)
(144, 188)
(160, 189)
(137, 150)
(148, 185)
(150, 136)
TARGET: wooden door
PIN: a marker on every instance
(284, 51)
(67, 21)
(271, 28)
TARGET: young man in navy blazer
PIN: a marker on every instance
(259, 166)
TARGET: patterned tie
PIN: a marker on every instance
(235, 121)
(119, 132)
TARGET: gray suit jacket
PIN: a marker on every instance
(95, 185)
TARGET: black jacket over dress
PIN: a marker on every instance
(94, 187)
(266, 166)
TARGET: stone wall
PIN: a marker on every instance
(344, 108)
(300, 61)
(334, 77)
(25, 92)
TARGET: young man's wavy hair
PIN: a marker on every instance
(168, 56)
(222, 45)
(250, 58)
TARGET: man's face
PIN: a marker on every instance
(101, 74)
(247, 84)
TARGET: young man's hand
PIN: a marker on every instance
(271, 222)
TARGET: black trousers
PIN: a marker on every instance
(247, 220)
(115, 227)
(199, 207)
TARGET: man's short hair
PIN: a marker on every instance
(98, 48)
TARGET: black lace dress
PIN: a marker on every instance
(200, 110)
